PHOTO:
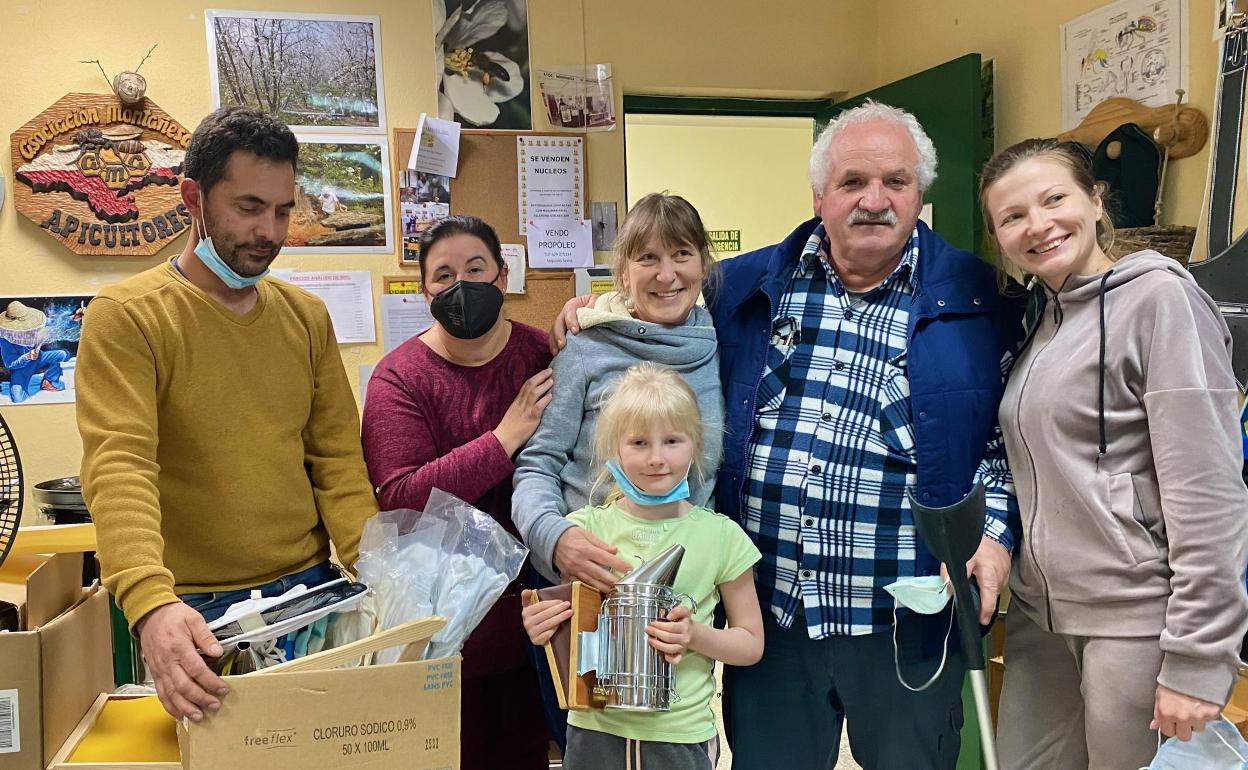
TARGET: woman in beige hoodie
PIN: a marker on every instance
(1121, 425)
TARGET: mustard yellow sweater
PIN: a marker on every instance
(219, 451)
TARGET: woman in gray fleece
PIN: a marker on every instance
(1121, 424)
(662, 260)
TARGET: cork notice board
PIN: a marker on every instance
(487, 187)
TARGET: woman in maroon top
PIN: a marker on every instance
(450, 409)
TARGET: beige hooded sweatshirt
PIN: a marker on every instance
(1121, 422)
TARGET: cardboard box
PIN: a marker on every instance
(403, 716)
(52, 672)
(1237, 707)
(41, 587)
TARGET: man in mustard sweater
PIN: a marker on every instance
(221, 447)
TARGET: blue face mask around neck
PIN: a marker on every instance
(630, 490)
(207, 254)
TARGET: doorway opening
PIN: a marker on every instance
(745, 174)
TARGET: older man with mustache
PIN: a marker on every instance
(221, 441)
(860, 357)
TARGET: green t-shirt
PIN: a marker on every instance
(717, 551)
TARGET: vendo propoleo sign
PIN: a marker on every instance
(100, 177)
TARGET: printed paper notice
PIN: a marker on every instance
(403, 316)
(552, 178)
(513, 257)
(435, 148)
(348, 296)
(10, 727)
(1132, 48)
(565, 243)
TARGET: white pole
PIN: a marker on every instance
(987, 742)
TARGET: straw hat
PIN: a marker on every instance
(22, 325)
(19, 318)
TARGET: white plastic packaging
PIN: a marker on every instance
(451, 560)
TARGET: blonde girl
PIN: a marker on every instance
(648, 443)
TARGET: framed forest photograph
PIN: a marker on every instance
(342, 196)
(312, 71)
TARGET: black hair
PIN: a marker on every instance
(460, 224)
(229, 130)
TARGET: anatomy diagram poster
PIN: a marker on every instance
(1131, 48)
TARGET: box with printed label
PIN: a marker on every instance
(403, 716)
(57, 664)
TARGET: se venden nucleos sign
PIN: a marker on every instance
(100, 177)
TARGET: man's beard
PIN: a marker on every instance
(229, 251)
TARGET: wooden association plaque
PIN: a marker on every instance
(100, 177)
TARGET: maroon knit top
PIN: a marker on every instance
(427, 423)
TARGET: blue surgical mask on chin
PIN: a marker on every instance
(926, 595)
(630, 490)
(1218, 747)
(207, 254)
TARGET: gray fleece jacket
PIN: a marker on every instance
(1135, 517)
(555, 472)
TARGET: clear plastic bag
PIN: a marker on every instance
(451, 560)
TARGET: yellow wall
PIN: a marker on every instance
(746, 174)
(1023, 38)
(655, 47)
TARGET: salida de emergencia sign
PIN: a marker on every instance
(725, 241)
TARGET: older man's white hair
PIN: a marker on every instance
(865, 113)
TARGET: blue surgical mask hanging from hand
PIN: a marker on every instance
(1218, 747)
(630, 490)
(926, 595)
(207, 254)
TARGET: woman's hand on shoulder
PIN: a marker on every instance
(525, 412)
(566, 322)
(542, 619)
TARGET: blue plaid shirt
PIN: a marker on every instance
(833, 451)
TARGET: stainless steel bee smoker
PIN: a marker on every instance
(631, 674)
